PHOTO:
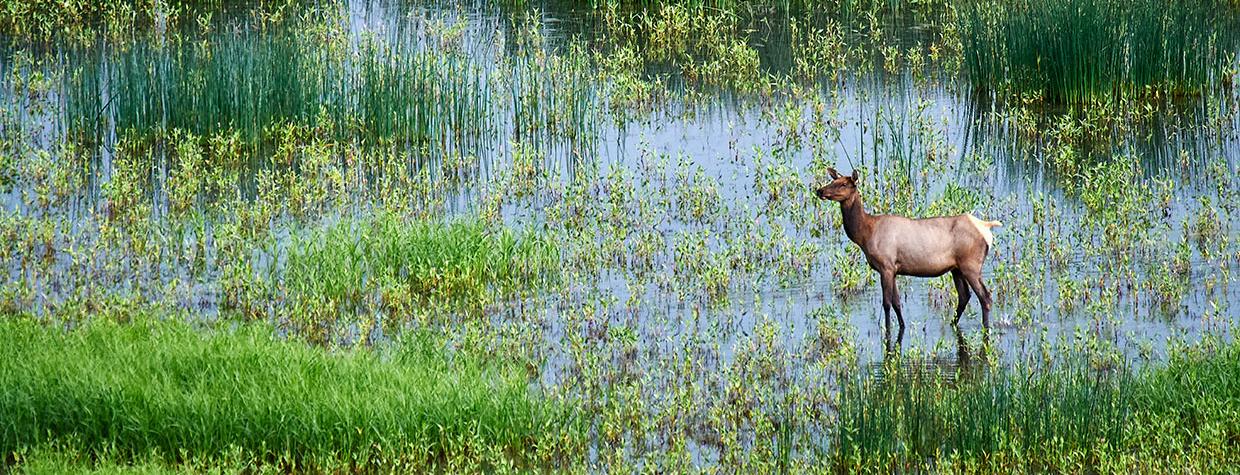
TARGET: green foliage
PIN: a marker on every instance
(254, 81)
(1039, 419)
(1079, 50)
(399, 265)
(165, 388)
(83, 21)
(1116, 202)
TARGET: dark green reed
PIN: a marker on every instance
(1037, 418)
(1076, 50)
(252, 81)
(555, 98)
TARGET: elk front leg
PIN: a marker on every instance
(886, 302)
(891, 296)
(962, 292)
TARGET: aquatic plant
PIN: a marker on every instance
(255, 81)
(81, 22)
(387, 263)
(1081, 50)
(1041, 418)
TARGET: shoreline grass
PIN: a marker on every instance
(163, 388)
(1045, 420)
(163, 396)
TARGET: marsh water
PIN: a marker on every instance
(924, 141)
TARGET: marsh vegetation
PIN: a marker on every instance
(386, 235)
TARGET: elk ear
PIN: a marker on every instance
(856, 175)
(834, 174)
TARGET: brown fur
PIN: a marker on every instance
(930, 247)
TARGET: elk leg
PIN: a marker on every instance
(891, 296)
(983, 296)
(887, 284)
(962, 291)
(895, 304)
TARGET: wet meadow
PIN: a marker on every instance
(517, 235)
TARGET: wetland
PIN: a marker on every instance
(511, 236)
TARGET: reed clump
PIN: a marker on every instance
(1043, 419)
(255, 82)
(1081, 50)
(164, 390)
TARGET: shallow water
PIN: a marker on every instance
(919, 125)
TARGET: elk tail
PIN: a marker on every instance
(983, 227)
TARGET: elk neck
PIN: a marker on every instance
(856, 221)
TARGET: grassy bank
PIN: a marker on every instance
(1182, 416)
(162, 390)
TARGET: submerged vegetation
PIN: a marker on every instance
(490, 237)
(407, 268)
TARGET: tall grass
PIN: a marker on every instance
(390, 263)
(555, 97)
(1077, 50)
(250, 81)
(164, 388)
(1040, 419)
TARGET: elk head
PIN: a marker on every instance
(840, 188)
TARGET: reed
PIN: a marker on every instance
(1078, 50)
(164, 388)
(253, 81)
(555, 98)
(1036, 418)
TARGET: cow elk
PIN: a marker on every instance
(930, 247)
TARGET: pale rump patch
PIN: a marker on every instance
(984, 228)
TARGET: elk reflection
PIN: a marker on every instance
(966, 359)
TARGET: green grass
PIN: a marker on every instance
(358, 265)
(163, 391)
(254, 81)
(1023, 419)
(51, 19)
(1078, 50)
(58, 460)
(83, 22)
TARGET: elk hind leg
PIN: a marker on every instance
(983, 296)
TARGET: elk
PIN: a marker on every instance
(929, 247)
